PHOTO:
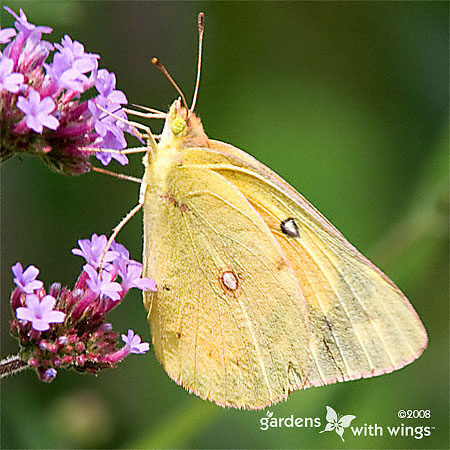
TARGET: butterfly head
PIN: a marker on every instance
(183, 128)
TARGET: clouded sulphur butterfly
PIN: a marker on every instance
(258, 294)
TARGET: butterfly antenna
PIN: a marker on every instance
(156, 62)
(201, 29)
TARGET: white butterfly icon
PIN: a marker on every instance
(337, 423)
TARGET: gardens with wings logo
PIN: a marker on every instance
(340, 423)
(337, 423)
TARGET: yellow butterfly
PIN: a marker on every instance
(258, 294)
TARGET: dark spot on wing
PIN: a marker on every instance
(289, 227)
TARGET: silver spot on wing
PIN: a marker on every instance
(289, 227)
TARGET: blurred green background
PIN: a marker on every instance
(349, 103)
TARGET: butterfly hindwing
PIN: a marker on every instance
(229, 321)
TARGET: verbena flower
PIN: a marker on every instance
(38, 112)
(101, 284)
(133, 343)
(9, 81)
(130, 275)
(41, 111)
(65, 328)
(92, 250)
(40, 312)
(26, 280)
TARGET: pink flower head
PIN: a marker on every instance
(133, 343)
(40, 313)
(26, 280)
(38, 112)
(83, 340)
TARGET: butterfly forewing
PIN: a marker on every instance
(360, 323)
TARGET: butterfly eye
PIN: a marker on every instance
(178, 126)
(289, 227)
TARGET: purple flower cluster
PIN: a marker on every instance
(41, 110)
(66, 328)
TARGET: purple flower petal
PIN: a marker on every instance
(72, 79)
(37, 111)
(70, 65)
(131, 277)
(102, 285)
(92, 250)
(55, 316)
(121, 250)
(111, 140)
(105, 82)
(6, 35)
(117, 97)
(26, 280)
(22, 24)
(40, 324)
(23, 313)
(40, 313)
(133, 343)
(104, 157)
(146, 284)
(47, 105)
(8, 80)
(47, 303)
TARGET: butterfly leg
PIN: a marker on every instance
(119, 226)
(125, 151)
(121, 176)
